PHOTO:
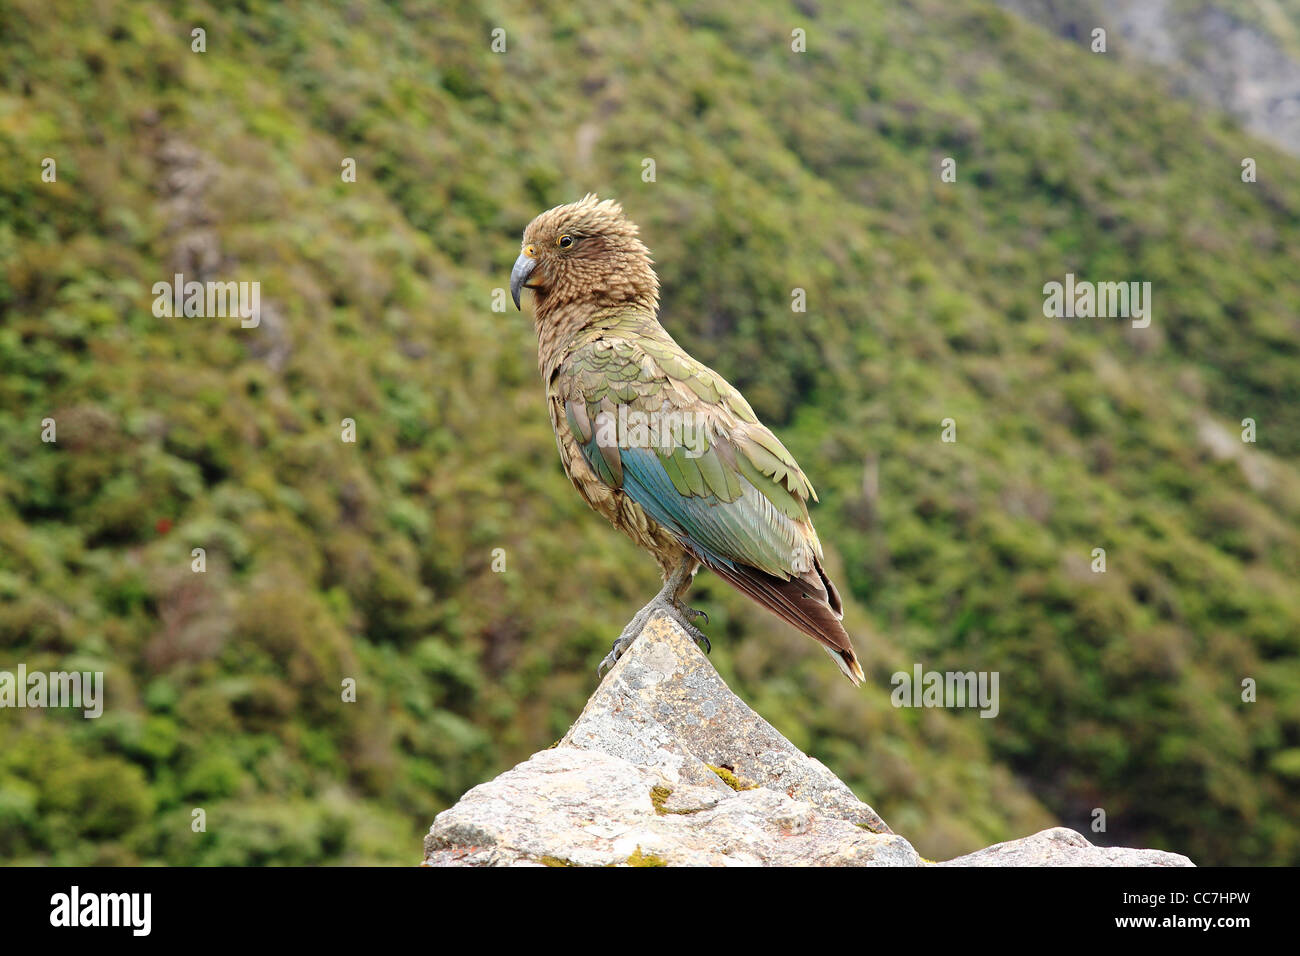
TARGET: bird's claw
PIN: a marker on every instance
(691, 613)
(630, 634)
(680, 613)
(685, 615)
(607, 663)
(700, 640)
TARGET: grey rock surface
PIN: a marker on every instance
(665, 709)
(666, 766)
(570, 807)
(1063, 847)
(1240, 58)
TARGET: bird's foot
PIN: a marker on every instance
(684, 617)
(691, 613)
(630, 634)
(681, 614)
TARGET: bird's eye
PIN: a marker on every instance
(564, 242)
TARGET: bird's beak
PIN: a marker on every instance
(524, 267)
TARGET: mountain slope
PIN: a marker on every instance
(774, 170)
(1242, 58)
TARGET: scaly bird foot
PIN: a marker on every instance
(678, 612)
(630, 634)
(691, 613)
(696, 634)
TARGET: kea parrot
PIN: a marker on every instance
(659, 443)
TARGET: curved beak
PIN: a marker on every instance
(524, 267)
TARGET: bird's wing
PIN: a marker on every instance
(720, 481)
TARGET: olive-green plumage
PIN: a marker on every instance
(658, 443)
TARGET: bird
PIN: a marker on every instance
(661, 445)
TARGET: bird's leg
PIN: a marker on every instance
(686, 574)
(669, 601)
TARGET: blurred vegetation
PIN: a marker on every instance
(775, 170)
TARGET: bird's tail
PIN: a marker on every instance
(809, 602)
(848, 664)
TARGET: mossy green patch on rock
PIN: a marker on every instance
(730, 779)
(659, 797)
(645, 859)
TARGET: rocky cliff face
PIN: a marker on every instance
(1237, 59)
(666, 766)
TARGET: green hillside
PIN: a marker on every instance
(774, 170)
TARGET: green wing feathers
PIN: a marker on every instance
(720, 482)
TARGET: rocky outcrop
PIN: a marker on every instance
(571, 807)
(1060, 846)
(1240, 60)
(666, 766)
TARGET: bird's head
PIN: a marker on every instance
(584, 252)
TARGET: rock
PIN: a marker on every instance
(665, 709)
(1209, 53)
(1060, 846)
(571, 807)
(666, 766)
